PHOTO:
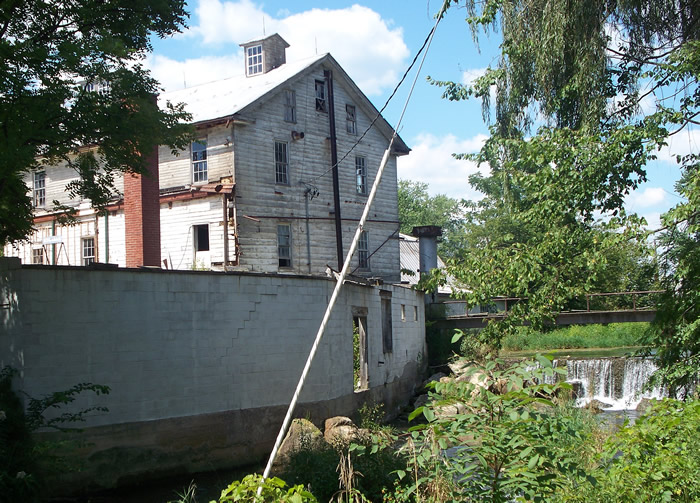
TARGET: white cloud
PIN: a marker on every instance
(470, 75)
(648, 198)
(683, 143)
(174, 75)
(431, 161)
(369, 49)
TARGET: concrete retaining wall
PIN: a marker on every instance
(201, 364)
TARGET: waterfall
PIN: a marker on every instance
(617, 382)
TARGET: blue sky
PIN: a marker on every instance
(375, 42)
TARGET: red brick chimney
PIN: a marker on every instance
(142, 215)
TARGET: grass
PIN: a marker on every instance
(575, 336)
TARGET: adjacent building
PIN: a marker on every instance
(255, 190)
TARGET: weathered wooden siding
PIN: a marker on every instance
(258, 195)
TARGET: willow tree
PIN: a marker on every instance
(583, 95)
(73, 90)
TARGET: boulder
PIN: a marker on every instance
(460, 367)
(421, 401)
(302, 434)
(596, 406)
(434, 377)
(340, 429)
(452, 409)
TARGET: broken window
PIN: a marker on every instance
(201, 238)
(281, 163)
(88, 251)
(284, 245)
(360, 175)
(39, 189)
(321, 103)
(254, 59)
(350, 120)
(199, 161)
(290, 105)
(363, 250)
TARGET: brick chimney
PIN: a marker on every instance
(142, 215)
(265, 54)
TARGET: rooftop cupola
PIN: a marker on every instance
(263, 55)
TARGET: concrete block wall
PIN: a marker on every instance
(195, 348)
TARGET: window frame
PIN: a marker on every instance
(281, 163)
(351, 119)
(38, 255)
(198, 160)
(290, 106)
(39, 192)
(322, 97)
(196, 238)
(87, 244)
(363, 251)
(254, 60)
(361, 175)
(284, 250)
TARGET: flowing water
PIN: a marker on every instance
(617, 383)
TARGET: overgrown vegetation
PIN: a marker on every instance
(25, 463)
(577, 336)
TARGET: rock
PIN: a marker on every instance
(460, 367)
(596, 406)
(421, 401)
(645, 404)
(452, 409)
(434, 377)
(446, 379)
(499, 387)
(302, 434)
(577, 390)
(340, 429)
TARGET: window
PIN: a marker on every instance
(290, 105)
(350, 120)
(254, 60)
(88, 251)
(321, 104)
(360, 175)
(403, 312)
(39, 189)
(38, 256)
(99, 87)
(284, 245)
(201, 238)
(415, 313)
(199, 161)
(281, 163)
(387, 334)
(363, 250)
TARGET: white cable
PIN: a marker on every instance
(341, 278)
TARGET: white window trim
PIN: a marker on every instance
(196, 165)
(258, 67)
(83, 257)
(39, 193)
(361, 175)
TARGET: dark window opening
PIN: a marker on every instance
(201, 237)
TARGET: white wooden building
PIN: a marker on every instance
(255, 191)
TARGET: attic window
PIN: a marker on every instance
(321, 102)
(254, 59)
(350, 119)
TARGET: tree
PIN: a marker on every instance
(52, 53)
(578, 71)
(417, 207)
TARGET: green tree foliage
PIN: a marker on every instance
(553, 219)
(50, 52)
(417, 207)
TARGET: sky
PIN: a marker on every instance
(375, 42)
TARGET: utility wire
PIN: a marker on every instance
(343, 273)
(386, 104)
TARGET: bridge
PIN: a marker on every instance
(593, 314)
